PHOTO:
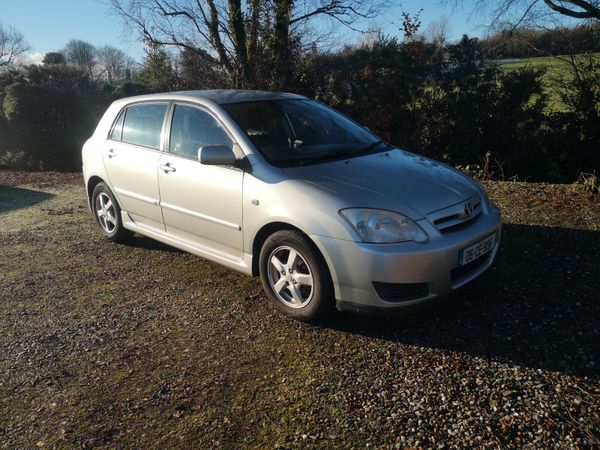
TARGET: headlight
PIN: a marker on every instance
(379, 226)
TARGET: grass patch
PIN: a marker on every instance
(556, 68)
(140, 346)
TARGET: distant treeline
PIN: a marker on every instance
(438, 100)
(531, 42)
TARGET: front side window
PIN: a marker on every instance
(143, 124)
(297, 132)
(192, 129)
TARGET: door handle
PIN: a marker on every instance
(111, 153)
(167, 168)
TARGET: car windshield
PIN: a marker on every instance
(299, 131)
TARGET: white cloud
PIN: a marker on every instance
(32, 58)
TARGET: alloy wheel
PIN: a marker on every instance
(105, 212)
(290, 277)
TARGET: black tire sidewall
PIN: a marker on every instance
(119, 233)
(322, 302)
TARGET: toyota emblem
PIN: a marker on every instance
(468, 208)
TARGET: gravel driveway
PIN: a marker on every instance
(143, 346)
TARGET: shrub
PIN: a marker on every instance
(49, 111)
(589, 182)
(459, 109)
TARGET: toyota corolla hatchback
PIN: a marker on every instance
(285, 188)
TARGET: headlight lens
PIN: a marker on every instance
(379, 226)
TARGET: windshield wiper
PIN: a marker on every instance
(341, 154)
(329, 156)
(370, 147)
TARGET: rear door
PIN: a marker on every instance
(131, 156)
(201, 204)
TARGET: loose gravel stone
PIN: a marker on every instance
(143, 346)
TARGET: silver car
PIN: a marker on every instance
(281, 186)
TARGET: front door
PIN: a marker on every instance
(201, 205)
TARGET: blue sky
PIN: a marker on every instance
(49, 24)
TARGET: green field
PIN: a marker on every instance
(557, 71)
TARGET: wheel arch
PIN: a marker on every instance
(267, 230)
(93, 181)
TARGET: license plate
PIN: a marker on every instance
(472, 252)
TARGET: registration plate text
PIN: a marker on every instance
(478, 249)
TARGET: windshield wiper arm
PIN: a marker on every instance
(371, 146)
(341, 154)
(333, 155)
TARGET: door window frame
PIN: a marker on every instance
(163, 129)
(169, 124)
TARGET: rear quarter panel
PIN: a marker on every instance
(91, 152)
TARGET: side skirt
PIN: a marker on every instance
(243, 265)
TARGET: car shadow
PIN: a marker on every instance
(538, 306)
(12, 198)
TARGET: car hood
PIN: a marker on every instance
(395, 180)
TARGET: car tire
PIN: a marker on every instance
(295, 276)
(107, 213)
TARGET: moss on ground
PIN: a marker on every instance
(142, 346)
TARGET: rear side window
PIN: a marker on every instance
(193, 128)
(115, 134)
(143, 124)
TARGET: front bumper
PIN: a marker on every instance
(355, 266)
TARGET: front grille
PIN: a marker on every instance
(401, 292)
(461, 225)
(468, 269)
(456, 217)
(446, 219)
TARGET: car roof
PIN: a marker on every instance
(220, 96)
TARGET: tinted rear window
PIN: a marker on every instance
(115, 134)
(143, 124)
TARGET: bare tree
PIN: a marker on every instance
(578, 9)
(131, 67)
(113, 62)
(437, 32)
(82, 54)
(527, 12)
(370, 38)
(12, 46)
(240, 37)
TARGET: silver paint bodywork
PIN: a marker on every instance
(217, 212)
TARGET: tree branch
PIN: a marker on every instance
(589, 11)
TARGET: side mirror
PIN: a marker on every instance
(216, 155)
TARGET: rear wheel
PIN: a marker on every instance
(108, 214)
(295, 276)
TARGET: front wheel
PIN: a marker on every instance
(108, 214)
(295, 276)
